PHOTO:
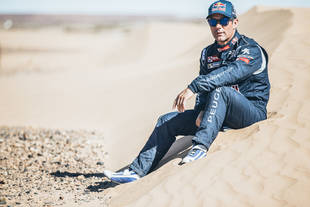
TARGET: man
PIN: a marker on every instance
(232, 92)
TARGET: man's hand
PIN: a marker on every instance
(179, 102)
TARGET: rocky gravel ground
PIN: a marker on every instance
(44, 167)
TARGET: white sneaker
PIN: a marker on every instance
(124, 176)
(196, 153)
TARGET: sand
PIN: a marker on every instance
(118, 82)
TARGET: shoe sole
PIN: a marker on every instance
(113, 181)
(110, 178)
(199, 156)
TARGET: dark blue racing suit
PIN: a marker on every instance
(233, 91)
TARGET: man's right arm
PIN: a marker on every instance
(250, 61)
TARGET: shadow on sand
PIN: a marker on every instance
(98, 187)
(179, 149)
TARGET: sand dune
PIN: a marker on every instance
(119, 81)
(266, 164)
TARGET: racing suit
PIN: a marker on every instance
(232, 91)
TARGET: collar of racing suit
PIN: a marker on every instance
(230, 44)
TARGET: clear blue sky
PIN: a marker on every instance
(183, 8)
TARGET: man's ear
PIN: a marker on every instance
(235, 23)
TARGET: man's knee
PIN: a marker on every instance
(218, 101)
(166, 117)
(225, 92)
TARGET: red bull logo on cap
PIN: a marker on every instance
(219, 7)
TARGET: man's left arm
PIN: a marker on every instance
(250, 60)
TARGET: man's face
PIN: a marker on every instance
(223, 34)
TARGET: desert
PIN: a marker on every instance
(76, 102)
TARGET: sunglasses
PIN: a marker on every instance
(213, 22)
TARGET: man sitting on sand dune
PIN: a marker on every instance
(232, 92)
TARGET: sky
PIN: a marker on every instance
(179, 8)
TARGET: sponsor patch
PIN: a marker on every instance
(244, 59)
(223, 49)
(214, 65)
(219, 7)
(214, 105)
(246, 56)
(212, 59)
